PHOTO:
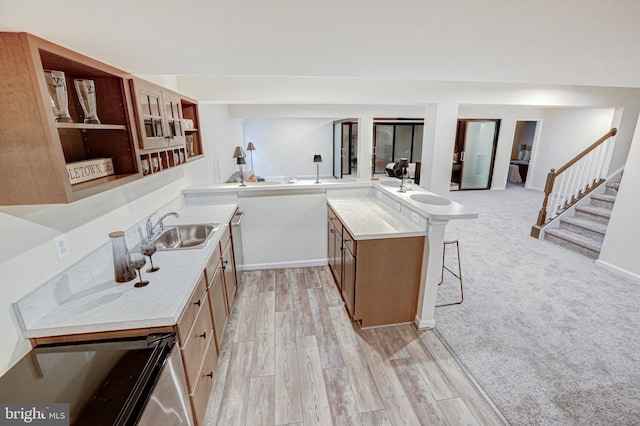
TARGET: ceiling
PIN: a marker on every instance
(574, 42)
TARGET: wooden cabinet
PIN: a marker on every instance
(334, 244)
(218, 303)
(229, 268)
(161, 127)
(36, 147)
(159, 115)
(49, 157)
(193, 142)
(348, 272)
(196, 338)
(380, 278)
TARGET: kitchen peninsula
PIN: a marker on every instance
(285, 225)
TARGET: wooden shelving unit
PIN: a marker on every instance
(36, 148)
(139, 122)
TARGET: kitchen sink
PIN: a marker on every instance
(430, 199)
(180, 237)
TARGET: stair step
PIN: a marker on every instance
(575, 242)
(585, 227)
(612, 187)
(593, 213)
(603, 200)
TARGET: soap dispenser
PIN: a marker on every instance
(123, 271)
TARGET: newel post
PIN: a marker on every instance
(548, 188)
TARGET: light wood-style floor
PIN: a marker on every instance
(291, 355)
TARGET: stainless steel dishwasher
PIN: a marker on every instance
(236, 236)
(129, 381)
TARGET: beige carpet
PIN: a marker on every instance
(552, 338)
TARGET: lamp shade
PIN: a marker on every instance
(404, 162)
(238, 152)
(317, 158)
(251, 147)
(240, 160)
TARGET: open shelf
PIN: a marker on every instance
(87, 126)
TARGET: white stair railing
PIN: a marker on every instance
(574, 180)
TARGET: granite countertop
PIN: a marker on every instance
(366, 218)
(298, 185)
(426, 204)
(85, 298)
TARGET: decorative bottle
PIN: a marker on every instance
(123, 271)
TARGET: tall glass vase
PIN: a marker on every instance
(57, 85)
(122, 269)
(86, 91)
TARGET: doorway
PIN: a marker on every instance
(474, 154)
(521, 151)
(394, 139)
(345, 148)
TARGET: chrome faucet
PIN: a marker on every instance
(154, 230)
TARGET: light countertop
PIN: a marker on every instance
(417, 199)
(85, 298)
(366, 218)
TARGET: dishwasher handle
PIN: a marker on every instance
(237, 219)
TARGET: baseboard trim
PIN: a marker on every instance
(618, 270)
(283, 265)
(424, 324)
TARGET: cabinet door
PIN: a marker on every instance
(229, 268)
(217, 300)
(349, 279)
(173, 118)
(150, 113)
(334, 250)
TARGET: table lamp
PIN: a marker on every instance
(239, 155)
(251, 147)
(317, 158)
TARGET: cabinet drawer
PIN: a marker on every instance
(194, 348)
(191, 310)
(213, 264)
(349, 242)
(217, 300)
(204, 384)
(333, 219)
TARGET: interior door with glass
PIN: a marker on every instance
(337, 150)
(476, 142)
(345, 146)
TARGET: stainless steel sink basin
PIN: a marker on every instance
(180, 237)
(430, 199)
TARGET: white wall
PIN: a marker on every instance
(286, 146)
(285, 229)
(621, 247)
(564, 133)
(220, 134)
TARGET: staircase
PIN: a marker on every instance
(584, 231)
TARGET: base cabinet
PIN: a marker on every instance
(379, 278)
(205, 318)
